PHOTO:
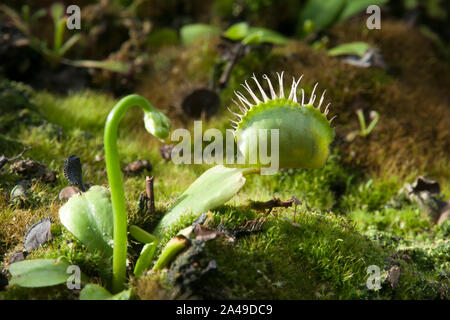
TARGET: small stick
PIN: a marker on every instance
(296, 203)
(4, 160)
(20, 154)
(274, 203)
(238, 51)
(150, 194)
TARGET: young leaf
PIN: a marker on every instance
(351, 48)
(213, 188)
(353, 7)
(262, 35)
(191, 32)
(170, 251)
(141, 235)
(95, 292)
(237, 31)
(89, 218)
(242, 32)
(147, 253)
(321, 13)
(39, 272)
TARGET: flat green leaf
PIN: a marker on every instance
(213, 188)
(96, 292)
(170, 251)
(192, 32)
(89, 217)
(145, 258)
(351, 48)
(321, 13)
(262, 35)
(39, 272)
(141, 235)
(237, 31)
(242, 32)
(353, 7)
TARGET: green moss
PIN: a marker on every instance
(321, 257)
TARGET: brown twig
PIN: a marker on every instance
(237, 52)
(274, 203)
(20, 154)
(150, 194)
(4, 160)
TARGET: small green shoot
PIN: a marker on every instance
(96, 292)
(364, 131)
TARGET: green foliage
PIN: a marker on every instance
(252, 35)
(57, 53)
(141, 235)
(351, 48)
(86, 110)
(353, 7)
(39, 272)
(145, 258)
(192, 32)
(319, 257)
(320, 14)
(364, 130)
(213, 188)
(299, 262)
(238, 32)
(96, 292)
(89, 218)
(407, 222)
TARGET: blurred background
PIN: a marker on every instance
(188, 57)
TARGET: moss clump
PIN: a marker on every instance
(321, 257)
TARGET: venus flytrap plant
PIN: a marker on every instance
(305, 134)
(99, 221)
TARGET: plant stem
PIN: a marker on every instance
(172, 248)
(362, 121)
(116, 185)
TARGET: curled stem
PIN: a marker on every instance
(157, 124)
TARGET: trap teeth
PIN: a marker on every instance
(73, 171)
